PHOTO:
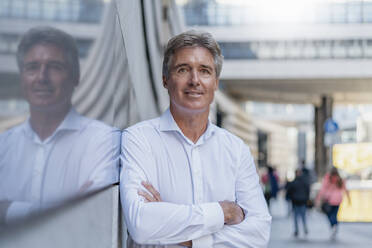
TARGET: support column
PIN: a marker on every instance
(322, 113)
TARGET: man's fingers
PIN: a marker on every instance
(85, 186)
(186, 243)
(152, 190)
(147, 196)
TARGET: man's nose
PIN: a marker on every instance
(194, 80)
(43, 74)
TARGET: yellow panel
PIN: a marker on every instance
(352, 158)
(360, 209)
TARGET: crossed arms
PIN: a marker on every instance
(233, 214)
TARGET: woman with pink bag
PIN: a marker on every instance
(330, 197)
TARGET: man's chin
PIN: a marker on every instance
(47, 107)
(192, 109)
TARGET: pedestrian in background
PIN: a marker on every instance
(299, 191)
(270, 182)
(288, 197)
(330, 197)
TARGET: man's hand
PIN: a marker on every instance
(186, 243)
(232, 212)
(153, 197)
(85, 186)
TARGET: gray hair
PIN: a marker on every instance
(192, 38)
(53, 36)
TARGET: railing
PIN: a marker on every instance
(327, 11)
(298, 49)
(94, 220)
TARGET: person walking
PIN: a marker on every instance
(330, 197)
(298, 192)
(270, 182)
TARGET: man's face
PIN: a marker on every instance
(46, 78)
(192, 80)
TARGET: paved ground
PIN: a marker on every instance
(358, 235)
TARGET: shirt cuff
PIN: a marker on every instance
(18, 210)
(203, 242)
(213, 216)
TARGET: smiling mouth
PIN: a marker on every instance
(193, 93)
(43, 91)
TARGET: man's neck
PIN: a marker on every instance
(44, 123)
(192, 125)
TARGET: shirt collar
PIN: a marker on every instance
(167, 123)
(70, 122)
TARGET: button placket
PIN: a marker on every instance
(196, 168)
(38, 173)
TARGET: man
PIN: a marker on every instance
(56, 153)
(184, 181)
(299, 192)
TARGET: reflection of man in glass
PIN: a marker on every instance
(184, 180)
(56, 153)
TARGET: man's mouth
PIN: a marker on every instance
(43, 92)
(193, 93)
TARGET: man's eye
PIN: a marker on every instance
(57, 67)
(205, 71)
(31, 67)
(182, 70)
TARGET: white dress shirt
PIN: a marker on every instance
(36, 174)
(191, 179)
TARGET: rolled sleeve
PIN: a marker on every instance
(213, 216)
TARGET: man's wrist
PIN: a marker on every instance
(213, 216)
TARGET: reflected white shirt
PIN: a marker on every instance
(36, 174)
(191, 179)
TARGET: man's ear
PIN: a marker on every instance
(165, 84)
(75, 80)
(217, 84)
(76, 83)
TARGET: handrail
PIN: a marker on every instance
(92, 220)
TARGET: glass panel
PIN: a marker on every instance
(325, 49)
(367, 11)
(4, 8)
(356, 49)
(49, 10)
(354, 12)
(34, 9)
(338, 12)
(18, 8)
(339, 49)
(368, 49)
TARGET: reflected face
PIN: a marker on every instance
(46, 78)
(192, 80)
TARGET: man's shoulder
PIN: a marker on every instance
(142, 134)
(13, 132)
(143, 126)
